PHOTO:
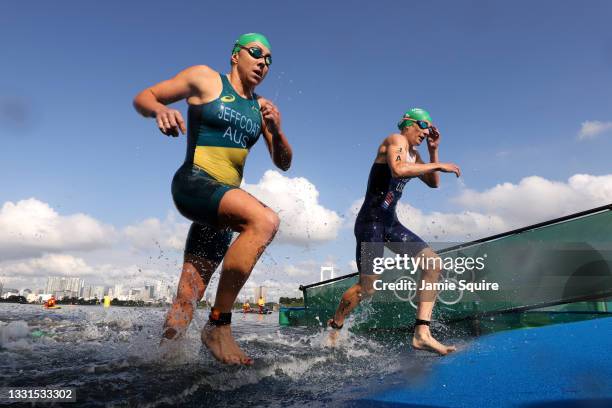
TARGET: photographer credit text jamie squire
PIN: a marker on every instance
(461, 285)
(458, 266)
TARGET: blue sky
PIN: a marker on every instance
(509, 85)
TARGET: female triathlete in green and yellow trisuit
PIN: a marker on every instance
(225, 119)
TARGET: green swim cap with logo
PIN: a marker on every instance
(414, 113)
(244, 39)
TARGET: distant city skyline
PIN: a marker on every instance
(159, 290)
(64, 287)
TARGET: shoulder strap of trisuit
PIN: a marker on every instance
(226, 84)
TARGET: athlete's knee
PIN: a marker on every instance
(267, 223)
(366, 286)
(273, 221)
(367, 292)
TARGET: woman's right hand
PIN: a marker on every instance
(170, 121)
(450, 168)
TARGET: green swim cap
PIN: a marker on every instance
(244, 39)
(414, 113)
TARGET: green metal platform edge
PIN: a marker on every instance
(590, 230)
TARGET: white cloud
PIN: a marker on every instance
(439, 226)
(593, 128)
(503, 207)
(536, 199)
(31, 227)
(153, 233)
(310, 270)
(502, 153)
(305, 269)
(296, 200)
(32, 273)
(446, 227)
(49, 265)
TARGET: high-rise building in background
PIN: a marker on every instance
(61, 286)
(74, 285)
(118, 291)
(162, 291)
(98, 292)
(87, 292)
(54, 284)
(1, 287)
(134, 294)
(149, 292)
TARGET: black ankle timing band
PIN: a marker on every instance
(419, 322)
(219, 319)
(335, 325)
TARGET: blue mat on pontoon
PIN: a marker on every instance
(564, 365)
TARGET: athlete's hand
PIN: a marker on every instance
(271, 115)
(170, 121)
(433, 140)
(450, 168)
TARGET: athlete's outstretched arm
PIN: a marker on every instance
(396, 154)
(278, 146)
(152, 101)
(431, 179)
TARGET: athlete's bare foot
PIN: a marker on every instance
(334, 333)
(171, 333)
(177, 320)
(223, 347)
(423, 340)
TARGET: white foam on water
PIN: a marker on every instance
(15, 335)
(272, 365)
(232, 378)
(125, 341)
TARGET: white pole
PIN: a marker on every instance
(324, 269)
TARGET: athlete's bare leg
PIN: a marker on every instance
(349, 301)
(192, 284)
(257, 225)
(422, 338)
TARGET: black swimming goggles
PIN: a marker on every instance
(257, 53)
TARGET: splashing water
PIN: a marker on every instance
(113, 358)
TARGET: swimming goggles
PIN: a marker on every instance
(420, 123)
(257, 53)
